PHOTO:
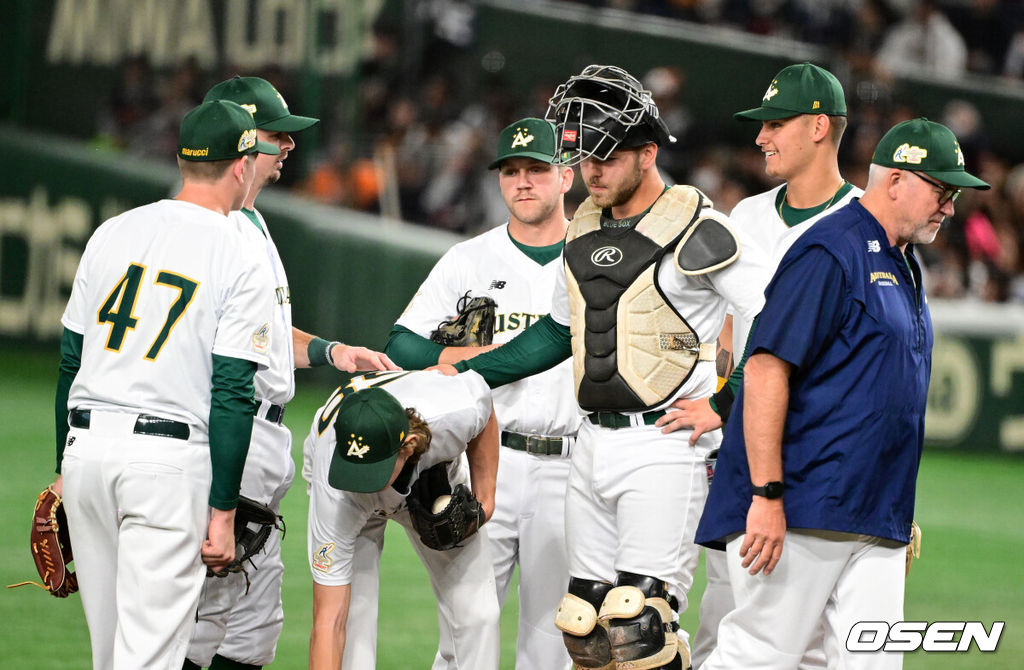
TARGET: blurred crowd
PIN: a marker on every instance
(413, 141)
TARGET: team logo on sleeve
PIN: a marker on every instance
(322, 560)
(909, 154)
(261, 339)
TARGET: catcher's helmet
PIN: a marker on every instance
(601, 109)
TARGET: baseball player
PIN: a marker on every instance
(168, 319)
(515, 264)
(803, 116)
(814, 498)
(241, 616)
(368, 447)
(648, 271)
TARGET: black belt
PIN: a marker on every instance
(146, 424)
(617, 420)
(274, 414)
(532, 444)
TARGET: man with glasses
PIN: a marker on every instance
(815, 482)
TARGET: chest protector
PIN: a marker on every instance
(631, 349)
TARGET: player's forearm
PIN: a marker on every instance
(300, 347)
(765, 402)
(330, 616)
(482, 453)
(411, 350)
(231, 411)
(543, 345)
(722, 400)
(70, 362)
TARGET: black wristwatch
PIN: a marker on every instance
(771, 490)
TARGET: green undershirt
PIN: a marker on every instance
(792, 216)
(540, 347)
(251, 215)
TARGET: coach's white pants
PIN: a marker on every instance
(634, 499)
(528, 528)
(137, 508)
(823, 578)
(245, 627)
(717, 601)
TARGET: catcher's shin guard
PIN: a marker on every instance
(586, 638)
(641, 621)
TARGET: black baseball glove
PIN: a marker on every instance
(472, 326)
(254, 522)
(443, 517)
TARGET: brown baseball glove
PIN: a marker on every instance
(51, 546)
(472, 326)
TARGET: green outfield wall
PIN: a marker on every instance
(351, 275)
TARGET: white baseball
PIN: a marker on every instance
(440, 504)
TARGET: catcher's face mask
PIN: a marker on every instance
(601, 109)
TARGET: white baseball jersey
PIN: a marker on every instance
(276, 382)
(456, 409)
(491, 265)
(701, 300)
(158, 289)
(758, 217)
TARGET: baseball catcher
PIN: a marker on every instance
(254, 522)
(472, 326)
(443, 518)
(51, 546)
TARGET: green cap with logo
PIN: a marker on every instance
(799, 89)
(924, 146)
(219, 130)
(369, 430)
(264, 103)
(529, 138)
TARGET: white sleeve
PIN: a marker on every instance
(76, 314)
(561, 312)
(437, 297)
(243, 326)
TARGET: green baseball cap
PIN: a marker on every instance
(369, 431)
(799, 89)
(925, 146)
(529, 138)
(219, 130)
(263, 101)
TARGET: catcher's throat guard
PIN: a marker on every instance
(601, 109)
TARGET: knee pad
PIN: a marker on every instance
(641, 621)
(585, 637)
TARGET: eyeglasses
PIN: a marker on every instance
(949, 193)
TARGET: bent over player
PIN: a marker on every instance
(241, 616)
(515, 265)
(168, 319)
(388, 446)
(648, 271)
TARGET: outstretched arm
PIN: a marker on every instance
(311, 351)
(543, 345)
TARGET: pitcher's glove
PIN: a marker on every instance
(443, 518)
(51, 546)
(472, 326)
(254, 522)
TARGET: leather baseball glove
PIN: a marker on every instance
(472, 326)
(254, 522)
(51, 546)
(443, 517)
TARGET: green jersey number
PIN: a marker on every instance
(119, 307)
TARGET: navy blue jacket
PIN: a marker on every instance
(847, 310)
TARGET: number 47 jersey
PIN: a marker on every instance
(160, 289)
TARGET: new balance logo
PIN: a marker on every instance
(497, 283)
(874, 246)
